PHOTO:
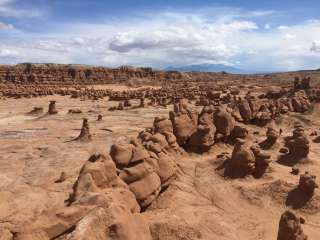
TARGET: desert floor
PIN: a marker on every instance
(35, 150)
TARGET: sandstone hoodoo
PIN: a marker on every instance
(127, 103)
(84, 135)
(147, 164)
(262, 160)
(242, 161)
(307, 184)
(142, 102)
(203, 138)
(272, 135)
(52, 108)
(120, 106)
(185, 151)
(290, 227)
(184, 123)
(245, 110)
(298, 143)
(239, 132)
(224, 122)
(99, 118)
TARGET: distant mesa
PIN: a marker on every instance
(207, 68)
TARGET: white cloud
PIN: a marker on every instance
(289, 36)
(262, 13)
(283, 27)
(8, 9)
(197, 40)
(8, 53)
(6, 26)
(267, 26)
(172, 38)
(315, 46)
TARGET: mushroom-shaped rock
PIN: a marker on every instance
(167, 167)
(307, 184)
(262, 160)
(298, 144)
(121, 154)
(224, 122)
(245, 110)
(239, 132)
(99, 118)
(52, 108)
(272, 135)
(242, 161)
(183, 127)
(98, 172)
(203, 138)
(120, 106)
(290, 227)
(127, 103)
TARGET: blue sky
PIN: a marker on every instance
(249, 34)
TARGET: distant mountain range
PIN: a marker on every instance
(208, 68)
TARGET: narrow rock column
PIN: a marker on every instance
(85, 132)
(52, 108)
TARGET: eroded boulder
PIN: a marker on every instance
(224, 122)
(290, 227)
(242, 161)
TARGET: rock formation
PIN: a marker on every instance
(272, 135)
(290, 227)
(242, 161)
(84, 135)
(224, 122)
(52, 108)
(203, 138)
(245, 110)
(184, 123)
(262, 160)
(36, 111)
(74, 111)
(307, 184)
(298, 144)
(100, 206)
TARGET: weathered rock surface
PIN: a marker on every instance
(290, 227)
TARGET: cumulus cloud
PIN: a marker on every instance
(172, 38)
(315, 46)
(8, 53)
(283, 27)
(193, 42)
(9, 9)
(267, 26)
(6, 26)
(289, 36)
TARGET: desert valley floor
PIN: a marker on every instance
(209, 163)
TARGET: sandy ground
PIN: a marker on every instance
(35, 150)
